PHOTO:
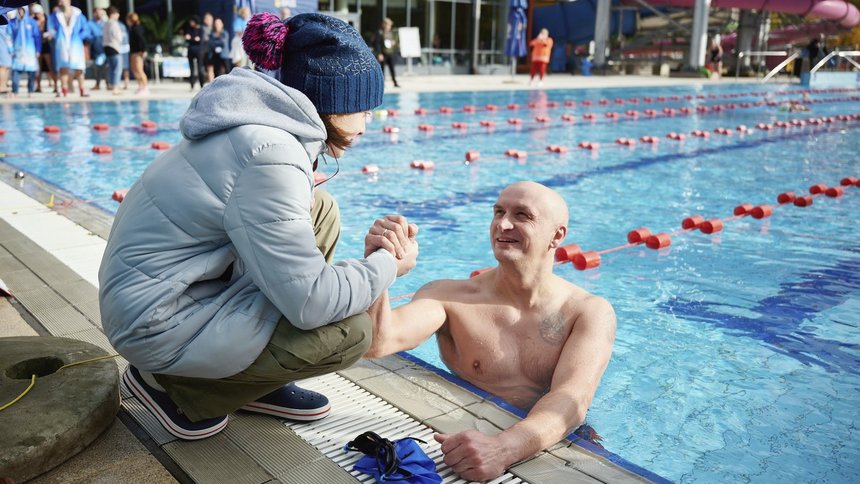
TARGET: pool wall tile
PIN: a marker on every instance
(438, 385)
(363, 369)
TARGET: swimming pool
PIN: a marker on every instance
(736, 356)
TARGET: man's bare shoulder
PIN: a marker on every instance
(580, 302)
(448, 289)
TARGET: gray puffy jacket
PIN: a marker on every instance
(214, 242)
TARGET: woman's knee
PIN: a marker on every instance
(325, 209)
(358, 340)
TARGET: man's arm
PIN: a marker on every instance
(407, 326)
(586, 353)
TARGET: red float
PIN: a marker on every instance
(611, 115)
(586, 260)
(422, 165)
(513, 106)
(658, 241)
(101, 127)
(542, 119)
(762, 211)
(568, 117)
(638, 236)
(785, 197)
(425, 127)
(589, 116)
(472, 155)
(148, 125)
(390, 129)
(160, 145)
(803, 201)
(446, 110)
(650, 139)
(515, 121)
(52, 129)
(818, 188)
(692, 222)
(835, 192)
(743, 209)
(478, 272)
(711, 226)
(487, 123)
(119, 195)
(420, 112)
(459, 125)
(848, 181)
(570, 104)
(491, 107)
(102, 150)
(392, 112)
(567, 252)
(469, 109)
(370, 169)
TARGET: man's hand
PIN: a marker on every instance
(473, 455)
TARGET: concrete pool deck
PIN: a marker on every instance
(49, 259)
(171, 89)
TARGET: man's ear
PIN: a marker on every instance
(558, 237)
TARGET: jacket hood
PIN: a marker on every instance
(248, 97)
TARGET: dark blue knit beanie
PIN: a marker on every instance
(319, 55)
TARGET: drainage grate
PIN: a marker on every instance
(355, 410)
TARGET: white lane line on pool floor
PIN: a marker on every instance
(72, 244)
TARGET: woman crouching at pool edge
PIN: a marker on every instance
(218, 283)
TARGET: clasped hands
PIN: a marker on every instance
(394, 234)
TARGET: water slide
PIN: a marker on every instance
(838, 11)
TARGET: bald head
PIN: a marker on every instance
(546, 201)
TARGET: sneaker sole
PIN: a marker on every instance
(135, 388)
(292, 414)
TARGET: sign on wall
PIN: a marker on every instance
(410, 42)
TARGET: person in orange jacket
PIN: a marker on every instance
(541, 48)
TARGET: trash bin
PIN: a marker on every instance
(586, 66)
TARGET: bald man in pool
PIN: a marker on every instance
(517, 331)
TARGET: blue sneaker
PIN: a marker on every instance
(167, 413)
(292, 402)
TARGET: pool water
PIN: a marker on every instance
(737, 354)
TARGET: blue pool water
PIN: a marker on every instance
(736, 357)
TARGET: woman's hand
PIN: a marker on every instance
(391, 233)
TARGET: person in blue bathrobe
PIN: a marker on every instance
(26, 44)
(5, 54)
(69, 28)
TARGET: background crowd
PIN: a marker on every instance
(63, 44)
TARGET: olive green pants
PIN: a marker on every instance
(292, 354)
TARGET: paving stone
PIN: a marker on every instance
(47, 266)
(460, 420)
(409, 397)
(548, 469)
(216, 459)
(62, 321)
(438, 385)
(492, 413)
(270, 443)
(9, 263)
(322, 471)
(77, 292)
(147, 421)
(361, 370)
(594, 466)
(391, 362)
(22, 281)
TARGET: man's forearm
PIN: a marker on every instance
(551, 419)
(380, 314)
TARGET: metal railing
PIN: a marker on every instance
(780, 66)
(756, 53)
(847, 55)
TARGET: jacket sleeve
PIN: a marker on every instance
(267, 217)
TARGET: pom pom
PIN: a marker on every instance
(263, 40)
